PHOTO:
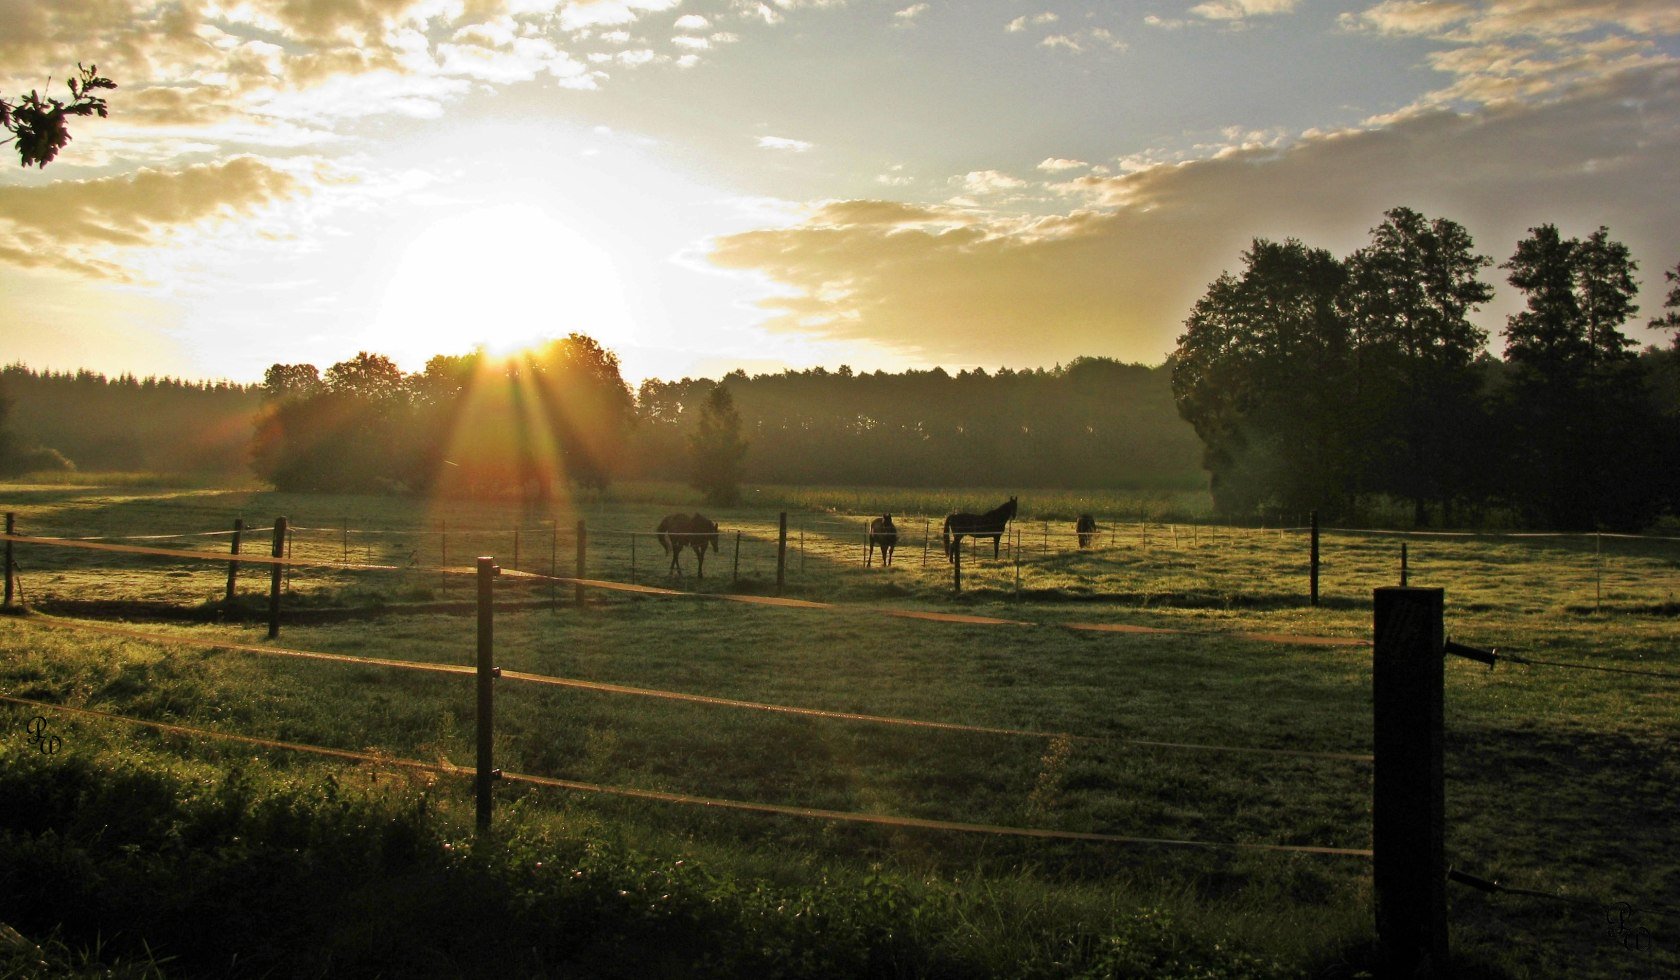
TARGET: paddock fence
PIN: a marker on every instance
(1410, 874)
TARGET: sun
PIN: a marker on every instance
(503, 278)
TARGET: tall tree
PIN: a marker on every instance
(1578, 406)
(1262, 373)
(1409, 296)
(716, 450)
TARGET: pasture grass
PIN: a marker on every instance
(1558, 780)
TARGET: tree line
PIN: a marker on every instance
(62, 420)
(1318, 383)
(475, 425)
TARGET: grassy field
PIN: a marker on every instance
(1559, 780)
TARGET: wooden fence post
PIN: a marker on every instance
(1403, 563)
(276, 571)
(554, 562)
(443, 559)
(927, 531)
(11, 528)
(1314, 573)
(1408, 812)
(956, 567)
(781, 552)
(233, 566)
(632, 557)
(487, 672)
(735, 568)
(582, 555)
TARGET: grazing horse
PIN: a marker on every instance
(988, 525)
(1086, 528)
(882, 535)
(681, 531)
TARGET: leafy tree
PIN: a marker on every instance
(1409, 295)
(716, 450)
(40, 126)
(1262, 372)
(291, 381)
(1579, 409)
(586, 404)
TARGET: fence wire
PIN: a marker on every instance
(884, 820)
(603, 687)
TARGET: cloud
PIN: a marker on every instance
(1118, 276)
(783, 143)
(1021, 23)
(1524, 49)
(1086, 40)
(907, 16)
(1237, 10)
(73, 224)
(1059, 164)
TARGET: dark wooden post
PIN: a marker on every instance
(554, 561)
(582, 560)
(1408, 812)
(1402, 563)
(956, 567)
(781, 552)
(1314, 572)
(927, 531)
(487, 671)
(632, 557)
(276, 571)
(735, 569)
(233, 566)
(11, 529)
(443, 559)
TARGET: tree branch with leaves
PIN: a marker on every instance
(40, 126)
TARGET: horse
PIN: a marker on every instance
(988, 525)
(882, 535)
(681, 531)
(1086, 528)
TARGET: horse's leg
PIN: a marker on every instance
(995, 539)
(699, 563)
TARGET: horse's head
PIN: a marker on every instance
(707, 532)
(1009, 511)
(886, 520)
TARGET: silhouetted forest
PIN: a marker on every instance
(469, 424)
(1093, 423)
(95, 422)
(1334, 384)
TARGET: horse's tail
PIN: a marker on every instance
(663, 536)
(945, 536)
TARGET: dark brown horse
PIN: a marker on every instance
(681, 531)
(882, 535)
(991, 524)
(1086, 528)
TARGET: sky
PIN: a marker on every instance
(704, 185)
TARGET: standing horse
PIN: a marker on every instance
(1086, 528)
(882, 535)
(681, 531)
(988, 525)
